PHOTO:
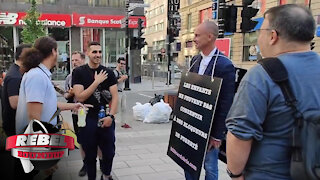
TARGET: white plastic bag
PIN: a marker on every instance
(160, 113)
(140, 111)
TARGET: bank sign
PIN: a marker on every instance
(55, 20)
(111, 21)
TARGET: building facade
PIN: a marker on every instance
(73, 23)
(243, 48)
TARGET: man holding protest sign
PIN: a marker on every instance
(212, 62)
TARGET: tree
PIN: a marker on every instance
(33, 28)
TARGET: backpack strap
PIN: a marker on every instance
(279, 74)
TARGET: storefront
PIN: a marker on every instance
(57, 26)
(107, 30)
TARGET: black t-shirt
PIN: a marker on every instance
(11, 86)
(84, 75)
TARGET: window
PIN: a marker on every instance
(189, 22)
(251, 50)
(162, 9)
(189, 44)
(189, 2)
(205, 14)
(106, 3)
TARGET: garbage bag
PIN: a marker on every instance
(160, 113)
(140, 111)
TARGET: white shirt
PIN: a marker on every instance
(205, 61)
(36, 86)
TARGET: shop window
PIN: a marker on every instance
(251, 51)
(115, 45)
(6, 47)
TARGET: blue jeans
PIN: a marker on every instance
(210, 165)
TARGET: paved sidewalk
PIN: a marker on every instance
(140, 150)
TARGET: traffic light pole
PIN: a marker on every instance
(221, 20)
(169, 60)
(127, 82)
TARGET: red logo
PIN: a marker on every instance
(33, 147)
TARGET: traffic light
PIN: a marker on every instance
(133, 43)
(141, 41)
(246, 14)
(230, 19)
(247, 2)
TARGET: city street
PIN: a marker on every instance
(140, 150)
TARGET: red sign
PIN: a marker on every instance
(16, 19)
(224, 46)
(111, 21)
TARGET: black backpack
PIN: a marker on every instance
(305, 157)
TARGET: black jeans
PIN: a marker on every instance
(91, 137)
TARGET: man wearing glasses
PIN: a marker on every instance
(89, 81)
(120, 74)
(259, 122)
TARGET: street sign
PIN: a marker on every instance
(215, 9)
(173, 6)
(192, 122)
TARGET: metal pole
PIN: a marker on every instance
(126, 84)
(152, 79)
(221, 6)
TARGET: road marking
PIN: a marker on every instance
(145, 95)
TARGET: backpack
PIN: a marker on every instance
(305, 156)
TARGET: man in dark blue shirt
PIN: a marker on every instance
(9, 102)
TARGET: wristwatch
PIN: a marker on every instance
(233, 175)
(112, 116)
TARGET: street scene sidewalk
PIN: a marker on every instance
(140, 150)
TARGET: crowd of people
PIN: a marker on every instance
(257, 119)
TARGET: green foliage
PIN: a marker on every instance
(33, 28)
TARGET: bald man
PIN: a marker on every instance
(211, 60)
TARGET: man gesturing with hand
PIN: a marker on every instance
(89, 81)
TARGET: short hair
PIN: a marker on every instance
(93, 43)
(211, 27)
(82, 55)
(19, 50)
(121, 59)
(292, 22)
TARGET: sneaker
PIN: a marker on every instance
(126, 126)
(83, 171)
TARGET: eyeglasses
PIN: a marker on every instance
(123, 63)
(267, 29)
(95, 52)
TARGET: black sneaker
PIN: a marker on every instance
(83, 171)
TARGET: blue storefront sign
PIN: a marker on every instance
(318, 31)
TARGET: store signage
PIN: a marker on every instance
(111, 21)
(215, 8)
(173, 7)
(16, 19)
(224, 45)
(191, 125)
